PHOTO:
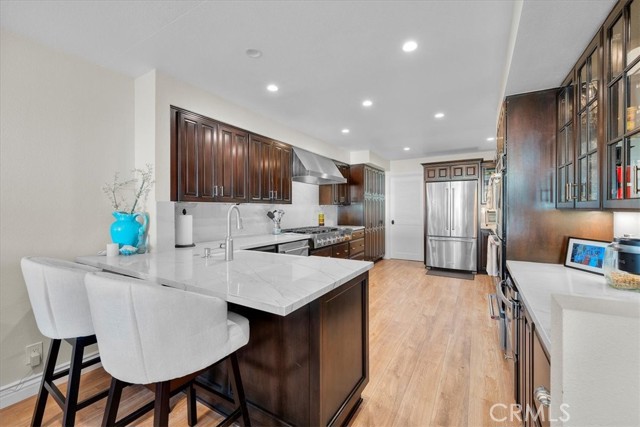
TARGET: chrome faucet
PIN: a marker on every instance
(228, 241)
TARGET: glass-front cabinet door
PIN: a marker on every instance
(622, 66)
(564, 149)
(586, 190)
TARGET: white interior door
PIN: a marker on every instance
(405, 220)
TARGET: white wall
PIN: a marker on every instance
(66, 126)
(626, 223)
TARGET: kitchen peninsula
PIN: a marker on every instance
(307, 359)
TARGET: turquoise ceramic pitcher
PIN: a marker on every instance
(126, 230)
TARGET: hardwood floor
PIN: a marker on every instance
(434, 359)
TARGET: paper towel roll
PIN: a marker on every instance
(184, 230)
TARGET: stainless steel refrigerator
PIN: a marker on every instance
(452, 225)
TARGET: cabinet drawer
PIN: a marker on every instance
(356, 246)
(359, 257)
(326, 252)
(358, 234)
(340, 251)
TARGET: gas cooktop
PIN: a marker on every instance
(322, 236)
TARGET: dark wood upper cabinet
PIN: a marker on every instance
(232, 155)
(621, 186)
(196, 144)
(579, 136)
(451, 171)
(216, 162)
(336, 194)
(269, 170)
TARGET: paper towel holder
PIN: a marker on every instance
(192, 245)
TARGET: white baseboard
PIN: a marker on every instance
(14, 393)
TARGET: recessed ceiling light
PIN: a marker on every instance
(272, 88)
(409, 46)
(367, 103)
(253, 53)
(345, 130)
(438, 115)
(490, 138)
(406, 148)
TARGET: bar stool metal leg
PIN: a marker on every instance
(192, 412)
(73, 384)
(161, 407)
(47, 376)
(238, 390)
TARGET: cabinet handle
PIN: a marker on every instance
(215, 191)
(492, 313)
(543, 396)
(270, 195)
(636, 169)
(276, 194)
(573, 191)
(222, 191)
(566, 192)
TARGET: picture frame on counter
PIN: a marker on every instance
(586, 255)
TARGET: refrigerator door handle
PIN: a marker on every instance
(446, 203)
(453, 210)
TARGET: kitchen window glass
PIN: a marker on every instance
(616, 113)
(633, 43)
(615, 171)
(593, 127)
(616, 59)
(633, 167)
(633, 98)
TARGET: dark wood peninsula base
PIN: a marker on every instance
(308, 368)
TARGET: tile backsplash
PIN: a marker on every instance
(210, 219)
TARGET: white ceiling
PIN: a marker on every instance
(328, 56)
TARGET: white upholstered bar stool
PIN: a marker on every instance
(59, 300)
(163, 337)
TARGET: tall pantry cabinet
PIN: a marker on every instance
(367, 208)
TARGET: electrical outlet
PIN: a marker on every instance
(33, 354)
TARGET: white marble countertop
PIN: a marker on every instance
(275, 283)
(256, 241)
(537, 282)
(353, 227)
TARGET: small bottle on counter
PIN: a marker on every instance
(321, 219)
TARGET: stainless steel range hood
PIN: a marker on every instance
(314, 169)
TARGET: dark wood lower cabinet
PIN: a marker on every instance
(326, 251)
(340, 250)
(534, 374)
(307, 368)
